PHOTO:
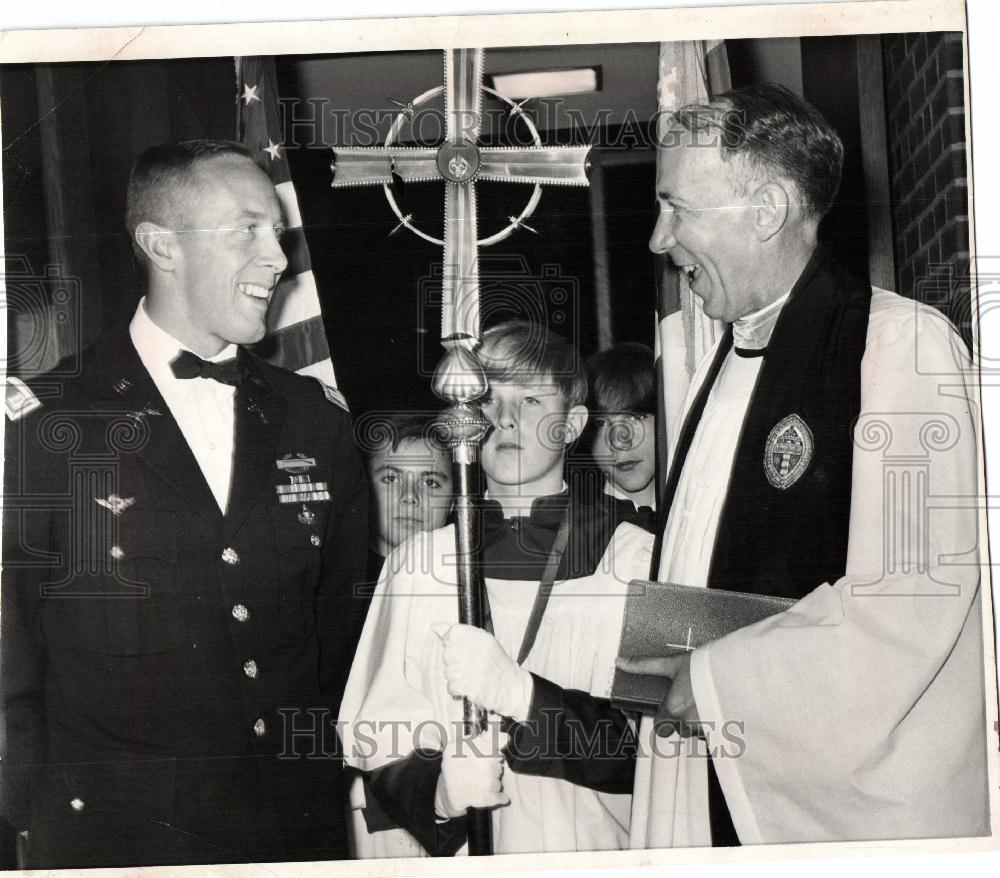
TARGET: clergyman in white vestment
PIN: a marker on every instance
(861, 709)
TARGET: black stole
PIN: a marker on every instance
(787, 541)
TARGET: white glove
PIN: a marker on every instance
(476, 667)
(471, 775)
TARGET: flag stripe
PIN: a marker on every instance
(295, 300)
(297, 346)
(293, 242)
(297, 338)
(317, 370)
(289, 203)
(689, 72)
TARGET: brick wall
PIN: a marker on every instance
(925, 134)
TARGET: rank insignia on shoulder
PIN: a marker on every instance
(333, 395)
(18, 399)
(788, 451)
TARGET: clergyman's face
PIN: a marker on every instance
(705, 225)
(229, 253)
(411, 488)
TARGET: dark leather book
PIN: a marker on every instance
(664, 619)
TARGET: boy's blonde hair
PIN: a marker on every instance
(521, 352)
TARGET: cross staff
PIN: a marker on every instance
(459, 379)
(460, 162)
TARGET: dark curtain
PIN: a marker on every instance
(70, 134)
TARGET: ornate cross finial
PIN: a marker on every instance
(460, 162)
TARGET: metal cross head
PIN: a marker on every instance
(460, 162)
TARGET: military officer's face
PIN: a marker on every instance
(229, 253)
(705, 225)
(411, 487)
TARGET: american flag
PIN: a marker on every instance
(296, 336)
(689, 72)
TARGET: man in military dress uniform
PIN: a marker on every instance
(184, 526)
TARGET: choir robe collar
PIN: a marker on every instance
(518, 547)
(624, 510)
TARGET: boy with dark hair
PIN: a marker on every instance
(623, 434)
(570, 756)
(409, 470)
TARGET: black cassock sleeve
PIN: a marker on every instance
(574, 736)
(402, 794)
(569, 734)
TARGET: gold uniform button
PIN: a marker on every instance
(260, 728)
(315, 540)
(240, 613)
(117, 552)
(76, 805)
(250, 669)
(230, 555)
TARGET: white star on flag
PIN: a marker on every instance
(294, 321)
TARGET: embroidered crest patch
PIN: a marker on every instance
(788, 451)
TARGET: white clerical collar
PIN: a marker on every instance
(157, 347)
(753, 332)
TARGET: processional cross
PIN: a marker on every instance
(459, 380)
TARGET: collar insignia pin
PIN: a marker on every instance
(257, 410)
(117, 505)
(788, 452)
(146, 411)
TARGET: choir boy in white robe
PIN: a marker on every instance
(564, 778)
(829, 455)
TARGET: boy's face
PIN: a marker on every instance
(531, 428)
(625, 450)
(411, 489)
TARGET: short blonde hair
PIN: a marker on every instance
(523, 352)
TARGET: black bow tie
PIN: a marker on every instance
(189, 365)
(626, 511)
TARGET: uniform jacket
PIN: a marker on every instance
(157, 655)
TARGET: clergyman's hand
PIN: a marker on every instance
(678, 711)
